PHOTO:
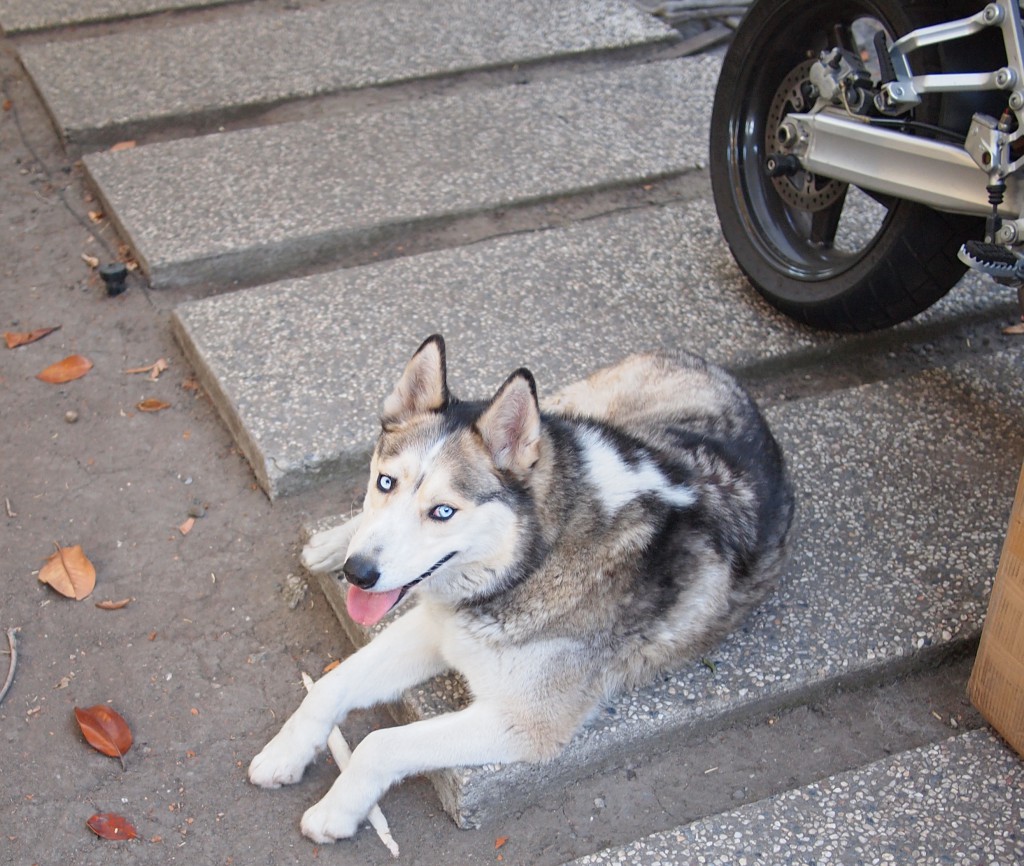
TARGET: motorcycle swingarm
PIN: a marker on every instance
(943, 176)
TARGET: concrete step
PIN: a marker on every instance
(110, 87)
(903, 490)
(952, 802)
(596, 290)
(264, 203)
(24, 16)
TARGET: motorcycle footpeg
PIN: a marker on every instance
(997, 261)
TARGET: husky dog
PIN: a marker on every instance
(556, 556)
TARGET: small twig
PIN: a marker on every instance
(13, 641)
(10, 511)
(341, 753)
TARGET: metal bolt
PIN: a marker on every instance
(787, 134)
(1007, 233)
(992, 15)
(1016, 100)
(1005, 78)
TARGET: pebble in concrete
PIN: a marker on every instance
(106, 87)
(955, 802)
(903, 488)
(265, 202)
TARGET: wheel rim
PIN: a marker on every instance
(811, 229)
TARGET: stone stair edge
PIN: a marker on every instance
(23, 17)
(94, 112)
(177, 231)
(729, 323)
(916, 806)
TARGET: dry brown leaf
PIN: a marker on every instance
(107, 825)
(70, 572)
(331, 665)
(105, 730)
(71, 368)
(1014, 330)
(114, 605)
(501, 840)
(186, 527)
(97, 216)
(7, 105)
(91, 261)
(122, 145)
(152, 405)
(23, 338)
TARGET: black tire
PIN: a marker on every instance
(787, 240)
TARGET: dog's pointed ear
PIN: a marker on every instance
(510, 425)
(423, 386)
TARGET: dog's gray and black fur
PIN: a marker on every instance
(558, 556)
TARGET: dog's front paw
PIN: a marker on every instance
(326, 551)
(328, 822)
(282, 761)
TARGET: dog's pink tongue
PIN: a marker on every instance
(367, 608)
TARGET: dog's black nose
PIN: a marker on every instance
(361, 571)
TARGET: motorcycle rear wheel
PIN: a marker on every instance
(825, 254)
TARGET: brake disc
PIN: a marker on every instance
(802, 189)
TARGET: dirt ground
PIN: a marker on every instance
(204, 661)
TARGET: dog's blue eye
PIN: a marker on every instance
(442, 512)
(385, 483)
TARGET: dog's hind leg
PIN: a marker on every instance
(326, 551)
(479, 734)
(404, 654)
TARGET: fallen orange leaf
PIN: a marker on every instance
(152, 405)
(105, 730)
(107, 825)
(122, 145)
(70, 572)
(501, 840)
(114, 605)
(23, 338)
(71, 368)
(331, 665)
(186, 527)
